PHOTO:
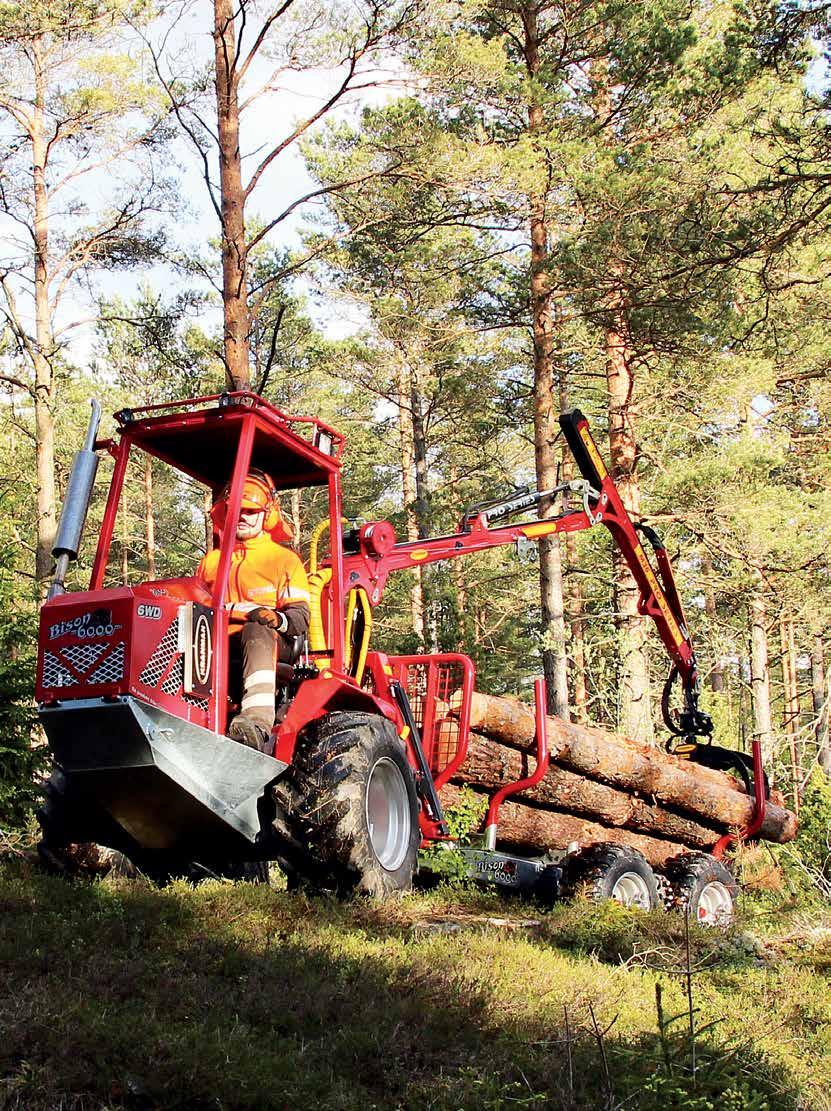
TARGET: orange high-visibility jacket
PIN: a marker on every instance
(262, 574)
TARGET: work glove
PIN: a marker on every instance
(274, 619)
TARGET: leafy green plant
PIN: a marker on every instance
(20, 760)
(463, 817)
(814, 837)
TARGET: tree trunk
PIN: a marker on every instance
(44, 339)
(546, 428)
(409, 490)
(574, 593)
(206, 516)
(296, 518)
(712, 797)
(759, 673)
(232, 203)
(149, 523)
(531, 830)
(634, 702)
(125, 538)
(790, 703)
(422, 502)
(489, 765)
(820, 687)
(715, 679)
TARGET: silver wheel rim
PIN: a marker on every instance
(715, 905)
(632, 890)
(388, 814)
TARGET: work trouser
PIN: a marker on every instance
(261, 648)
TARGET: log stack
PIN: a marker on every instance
(601, 786)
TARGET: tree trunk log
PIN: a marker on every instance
(530, 830)
(712, 797)
(489, 766)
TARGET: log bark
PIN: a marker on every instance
(712, 797)
(489, 766)
(531, 830)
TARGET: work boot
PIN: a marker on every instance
(249, 732)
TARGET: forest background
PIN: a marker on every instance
(436, 226)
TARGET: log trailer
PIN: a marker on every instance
(133, 694)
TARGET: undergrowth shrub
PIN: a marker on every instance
(20, 761)
(463, 818)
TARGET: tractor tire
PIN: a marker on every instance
(347, 809)
(67, 817)
(607, 871)
(703, 886)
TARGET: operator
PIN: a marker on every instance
(268, 595)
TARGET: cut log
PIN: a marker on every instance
(712, 797)
(489, 765)
(529, 830)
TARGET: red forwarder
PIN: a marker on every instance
(132, 681)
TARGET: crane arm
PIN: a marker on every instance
(377, 554)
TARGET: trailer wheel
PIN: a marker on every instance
(616, 872)
(705, 887)
(347, 809)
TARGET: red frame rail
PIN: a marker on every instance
(543, 760)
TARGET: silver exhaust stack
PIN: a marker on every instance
(76, 504)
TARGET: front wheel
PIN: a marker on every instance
(347, 809)
(615, 872)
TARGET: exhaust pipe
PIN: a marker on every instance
(75, 504)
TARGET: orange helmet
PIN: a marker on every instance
(258, 492)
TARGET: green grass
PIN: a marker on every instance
(119, 995)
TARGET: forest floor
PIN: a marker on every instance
(115, 994)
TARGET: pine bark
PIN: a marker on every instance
(545, 412)
(408, 490)
(44, 347)
(709, 796)
(529, 830)
(489, 766)
(149, 523)
(574, 593)
(759, 670)
(790, 702)
(232, 203)
(820, 688)
(715, 679)
(635, 704)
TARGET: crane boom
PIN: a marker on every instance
(378, 553)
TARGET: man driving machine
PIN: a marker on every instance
(268, 594)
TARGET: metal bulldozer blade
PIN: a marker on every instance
(170, 784)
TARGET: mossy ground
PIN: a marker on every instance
(115, 994)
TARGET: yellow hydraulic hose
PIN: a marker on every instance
(318, 581)
(363, 598)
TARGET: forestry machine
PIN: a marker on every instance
(133, 686)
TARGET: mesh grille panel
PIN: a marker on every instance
(55, 674)
(111, 669)
(174, 681)
(83, 656)
(199, 703)
(158, 662)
